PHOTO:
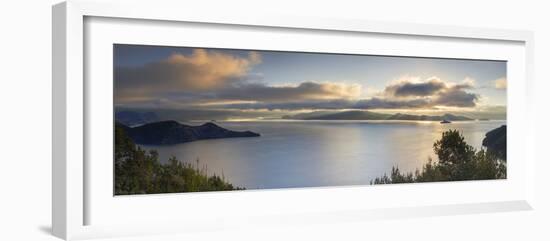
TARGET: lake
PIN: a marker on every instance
(319, 153)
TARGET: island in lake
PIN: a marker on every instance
(171, 132)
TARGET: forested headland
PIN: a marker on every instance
(140, 172)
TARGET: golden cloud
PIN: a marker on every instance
(308, 90)
(501, 83)
(199, 71)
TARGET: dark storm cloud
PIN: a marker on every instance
(406, 89)
(447, 95)
(456, 98)
(431, 93)
(427, 94)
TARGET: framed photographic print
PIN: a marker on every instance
(191, 119)
(204, 122)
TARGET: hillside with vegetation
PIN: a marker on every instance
(457, 161)
(140, 172)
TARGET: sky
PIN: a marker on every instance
(244, 84)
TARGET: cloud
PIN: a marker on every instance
(414, 94)
(455, 97)
(373, 103)
(501, 83)
(411, 87)
(206, 75)
(202, 70)
(469, 82)
(216, 79)
(433, 92)
(303, 91)
(406, 88)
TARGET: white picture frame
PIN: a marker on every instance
(73, 113)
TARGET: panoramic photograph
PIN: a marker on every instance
(191, 119)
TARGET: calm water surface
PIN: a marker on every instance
(319, 153)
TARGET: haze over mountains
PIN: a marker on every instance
(136, 118)
(133, 118)
(369, 115)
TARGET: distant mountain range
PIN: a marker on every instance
(369, 115)
(172, 132)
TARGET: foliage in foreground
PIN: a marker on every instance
(140, 172)
(458, 161)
